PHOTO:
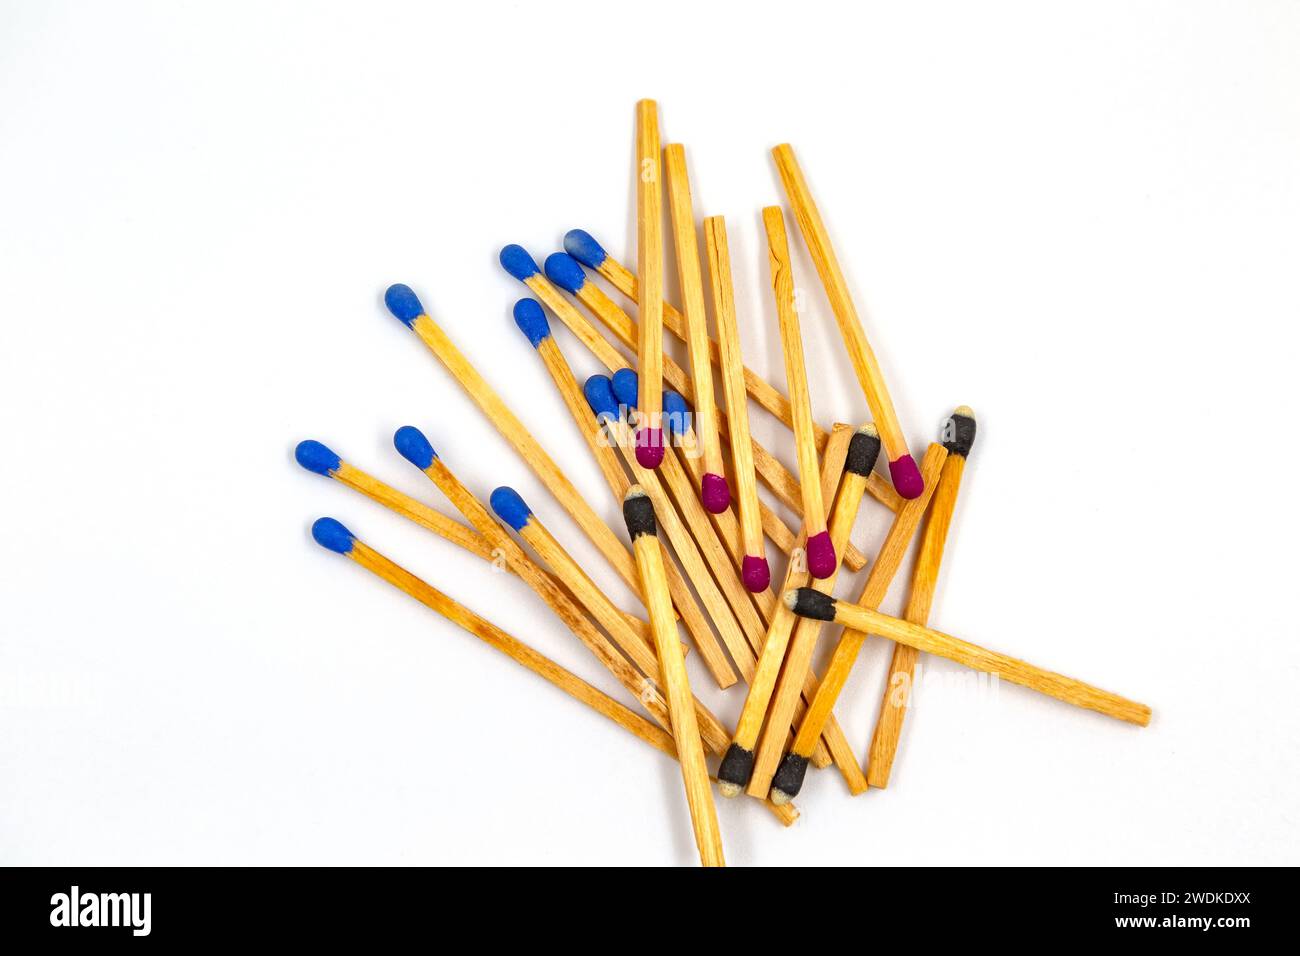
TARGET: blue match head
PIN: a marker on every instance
(580, 244)
(517, 261)
(677, 414)
(403, 303)
(532, 321)
(600, 396)
(330, 533)
(624, 383)
(314, 456)
(414, 447)
(510, 508)
(564, 271)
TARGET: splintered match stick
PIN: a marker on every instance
(415, 448)
(809, 603)
(714, 491)
(331, 534)
(755, 571)
(650, 264)
(821, 553)
(406, 306)
(960, 436)
(902, 467)
(639, 515)
(532, 322)
(580, 244)
(789, 777)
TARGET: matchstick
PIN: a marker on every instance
(331, 534)
(406, 306)
(650, 264)
(821, 553)
(812, 604)
(639, 516)
(902, 467)
(714, 491)
(959, 434)
(755, 571)
(532, 322)
(789, 776)
(415, 448)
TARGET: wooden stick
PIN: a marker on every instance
(639, 515)
(960, 435)
(755, 571)
(334, 536)
(714, 491)
(650, 264)
(789, 776)
(902, 467)
(583, 247)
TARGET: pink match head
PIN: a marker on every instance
(755, 573)
(821, 555)
(906, 477)
(649, 447)
(714, 493)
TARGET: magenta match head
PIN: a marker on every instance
(906, 476)
(714, 493)
(821, 555)
(649, 447)
(755, 573)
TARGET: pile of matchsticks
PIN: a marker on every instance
(708, 569)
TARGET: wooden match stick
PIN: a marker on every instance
(532, 322)
(331, 534)
(755, 571)
(809, 603)
(650, 264)
(959, 434)
(902, 467)
(795, 672)
(714, 491)
(639, 515)
(580, 244)
(415, 448)
(821, 554)
(406, 306)
(789, 776)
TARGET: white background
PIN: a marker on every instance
(1082, 220)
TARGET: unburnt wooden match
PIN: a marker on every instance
(331, 534)
(959, 435)
(714, 491)
(821, 553)
(902, 467)
(639, 514)
(755, 571)
(584, 248)
(415, 448)
(650, 264)
(532, 322)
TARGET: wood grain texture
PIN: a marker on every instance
(650, 262)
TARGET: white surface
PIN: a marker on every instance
(1081, 222)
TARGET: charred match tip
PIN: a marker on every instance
(414, 447)
(809, 602)
(788, 780)
(510, 507)
(403, 303)
(564, 270)
(638, 513)
(756, 573)
(316, 457)
(959, 431)
(582, 246)
(821, 555)
(649, 447)
(532, 321)
(864, 449)
(715, 493)
(330, 533)
(906, 477)
(735, 770)
(516, 260)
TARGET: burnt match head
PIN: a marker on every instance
(638, 512)
(959, 431)
(735, 770)
(403, 303)
(808, 602)
(599, 393)
(788, 780)
(510, 507)
(564, 270)
(516, 260)
(316, 457)
(330, 533)
(532, 321)
(414, 447)
(864, 449)
(582, 246)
